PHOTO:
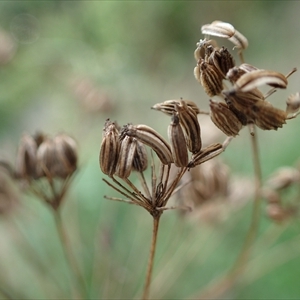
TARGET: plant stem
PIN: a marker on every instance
(71, 261)
(228, 280)
(151, 258)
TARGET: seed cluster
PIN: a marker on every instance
(123, 150)
(243, 103)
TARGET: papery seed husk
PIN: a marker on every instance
(218, 28)
(224, 118)
(109, 149)
(126, 157)
(190, 124)
(177, 141)
(255, 79)
(140, 160)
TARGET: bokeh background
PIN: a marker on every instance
(67, 66)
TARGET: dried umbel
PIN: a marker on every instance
(244, 103)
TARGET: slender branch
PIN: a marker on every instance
(151, 258)
(71, 261)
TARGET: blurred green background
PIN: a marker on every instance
(70, 65)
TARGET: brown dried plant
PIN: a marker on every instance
(243, 104)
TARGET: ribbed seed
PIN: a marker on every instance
(109, 150)
(151, 138)
(255, 79)
(126, 157)
(218, 28)
(177, 141)
(225, 119)
(222, 60)
(168, 106)
(140, 160)
(209, 77)
(189, 122)
(268, 117)
(205, 155)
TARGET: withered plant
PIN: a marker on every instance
(240, 103)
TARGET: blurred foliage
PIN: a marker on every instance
(57, 59)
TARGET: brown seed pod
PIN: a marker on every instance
(140, 160)
(218, 28)
(126, 157)
(168, 106)
(177, 141)
(224, 118)
(209, 77)
(189, 122)
(110, 147)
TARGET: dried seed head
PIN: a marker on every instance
(268, 117)
(140, 160)
(177, 141)
(209, 77)
(218, 28)
(168, 106)
(293, 103)
(151, 138)
(26, 158)
(234, 74)
(255, 79)
(110, 147)
(224, 118)
(277, 213)
(189, 122)
(126, 156)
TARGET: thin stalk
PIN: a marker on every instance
(70, 259)
(151, 258)
(229, 279)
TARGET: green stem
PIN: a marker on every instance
(70, 259)
(151, 258)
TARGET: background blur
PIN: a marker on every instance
(70, 65)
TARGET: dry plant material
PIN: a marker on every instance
(244, 104)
